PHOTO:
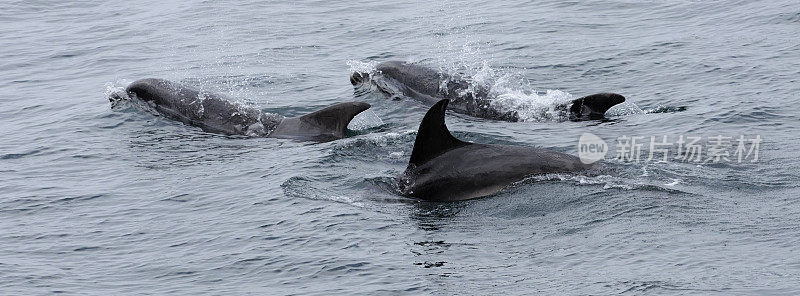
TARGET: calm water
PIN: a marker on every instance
(95, 200)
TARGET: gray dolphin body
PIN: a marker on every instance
(443, 168)
(214, 113)
(429, 86)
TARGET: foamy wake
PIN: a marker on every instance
(607, 181)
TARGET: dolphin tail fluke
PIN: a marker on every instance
(433, 137)
(335, 118)
(594, 106)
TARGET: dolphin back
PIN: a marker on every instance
(215, 113)
(327, 124)
(467, 96)
(443, 168)
(433, 137)
(210, 111)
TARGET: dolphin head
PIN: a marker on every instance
(358, 78)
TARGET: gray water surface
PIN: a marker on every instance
(111, 201)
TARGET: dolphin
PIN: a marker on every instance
(443, 168)
(429, 86)
(215, 114)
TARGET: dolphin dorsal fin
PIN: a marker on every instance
(594, 106)
(335, 118)
(433, 137)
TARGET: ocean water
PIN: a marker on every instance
(96, 200)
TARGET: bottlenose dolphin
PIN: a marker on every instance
(443, 168)
(429, 86)
(215, 114)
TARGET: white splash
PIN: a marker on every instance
(361, 66)
(365, 120)
(626, 108)
(534, 106)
